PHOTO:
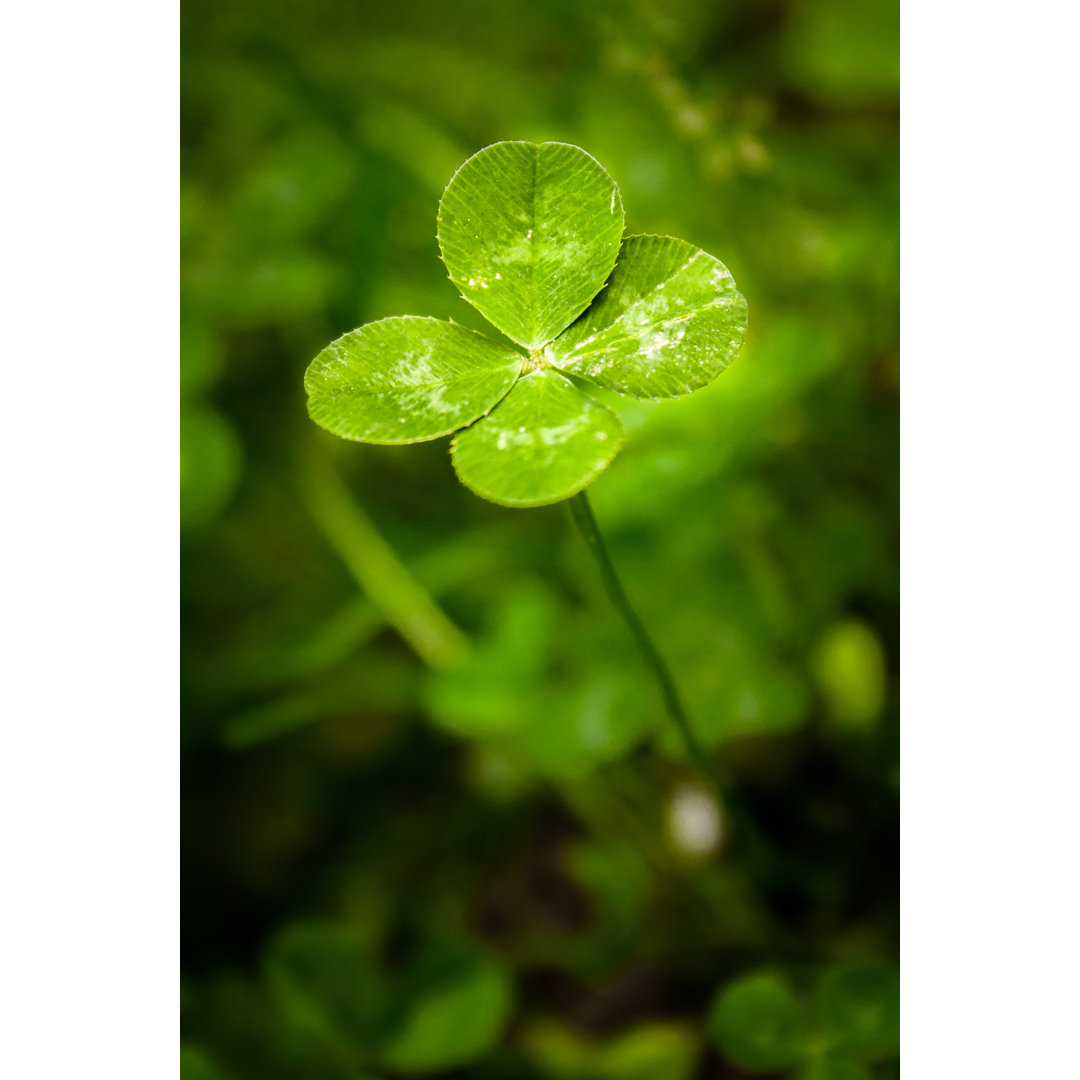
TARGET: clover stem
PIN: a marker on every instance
(581, 510)
(755, 843)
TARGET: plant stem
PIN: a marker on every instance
(582, 513)
(755, 844)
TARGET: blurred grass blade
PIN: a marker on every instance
(405, 603)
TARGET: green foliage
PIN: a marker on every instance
(456, 1006)
(858, 1007)
(210, 453)
(209, 464)
(407, 379)
(546, 442)
(669, 321)
(447, 1008)
(409, 719)
(833, 1068)
(195, 1066)
(326, 983)
(850, 669)
(508, 693)
(845, 49)
(651, 1051)
(759, 1023)
(530, 233)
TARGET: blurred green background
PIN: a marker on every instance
(434, 820)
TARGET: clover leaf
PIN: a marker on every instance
(531, 234)
(759, 1023)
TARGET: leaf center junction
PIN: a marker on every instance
(537, 360)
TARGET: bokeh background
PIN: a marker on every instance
(435, 822)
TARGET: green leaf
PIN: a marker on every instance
(486, 695)
(669, 322)
(858, 1007)
(194, 1065)
(850, 669)
(201, 357)
(529, 233)
(833, 1068)
(759, 1024)
(571, 729)
(326, 983)
(545, 442)
(407, 379)
(455, 1014)
(211, 461)
(651, 1051)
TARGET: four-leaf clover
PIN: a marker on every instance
(531, 235)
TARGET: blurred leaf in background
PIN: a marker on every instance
(859, 1010)
(435, 822)
(760, 1024)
